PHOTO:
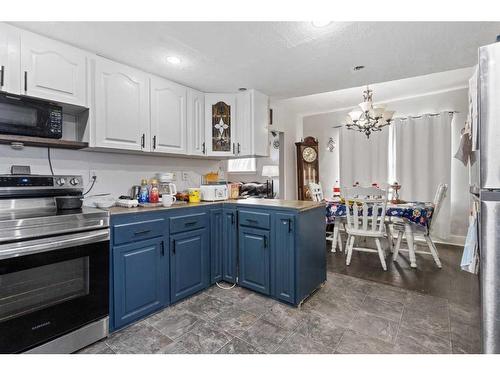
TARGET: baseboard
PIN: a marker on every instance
(451, 240)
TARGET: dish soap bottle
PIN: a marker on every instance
(143, 192)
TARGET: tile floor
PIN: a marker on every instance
(347, 315)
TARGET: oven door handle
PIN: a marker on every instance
(18, 249)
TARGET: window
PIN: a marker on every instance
(246, 165)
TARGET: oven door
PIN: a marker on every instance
(22, 116)
(52, 286)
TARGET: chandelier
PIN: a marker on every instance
(368, 118)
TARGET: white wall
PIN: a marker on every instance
(319, 126)
(116, 173)
(288, 121)
(272, 159)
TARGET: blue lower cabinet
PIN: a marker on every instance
(283, 258)
(229, 245)
(216, 244)
(223, 245)
(254, 257)
(140, 280)
(189, 263)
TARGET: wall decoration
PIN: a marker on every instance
(276, 143)
(331, 144)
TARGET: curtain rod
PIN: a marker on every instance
(425, 114)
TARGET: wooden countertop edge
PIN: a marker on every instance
(299, 206)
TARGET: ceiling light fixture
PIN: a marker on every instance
(368, 118)
(173, 60)
(320, 23)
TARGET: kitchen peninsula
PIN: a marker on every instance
(160, 256)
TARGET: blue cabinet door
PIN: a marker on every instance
(216, 244)
(229, 237)
(189, 263)
(283, 257)
(254, 256)
(140, 282)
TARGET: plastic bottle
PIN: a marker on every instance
(143, 192)
(336, 189)
(154, 192)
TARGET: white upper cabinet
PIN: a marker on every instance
(244, 143)
(220, 124)
(52, 70)
(252, 124)
(168, 117)
(9, 60)
(260, 123)
(196, 123)
(120, 103)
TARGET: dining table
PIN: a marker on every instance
(407, 214)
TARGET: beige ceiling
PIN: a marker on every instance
(282, 59)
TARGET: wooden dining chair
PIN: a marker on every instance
(331, 235)
(365, 218)
(316, 191)
(409, 230)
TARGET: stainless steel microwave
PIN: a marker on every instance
(21, 115)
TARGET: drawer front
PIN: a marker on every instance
(255, 219)
(188, 222)
(139, 230)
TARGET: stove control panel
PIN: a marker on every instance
(16, 182)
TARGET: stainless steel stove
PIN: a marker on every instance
(54, 267)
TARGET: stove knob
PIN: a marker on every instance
(60, 181)
(74, 181)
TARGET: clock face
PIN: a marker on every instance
(309, 154)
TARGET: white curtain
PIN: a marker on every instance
(423, 161)
(363, 160)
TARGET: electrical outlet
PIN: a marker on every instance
(185, 176)
(92, 175)
(174, 176)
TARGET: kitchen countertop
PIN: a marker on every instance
(256, 202)
(279, 203)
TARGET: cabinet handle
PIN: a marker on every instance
(139, 232)
(173, 246)
(203, 148)
(234, 150)
(2, 72)
(154, 142)
(289, 225)
(265, 242)
(143, 140)
(190, 223)
(25, 81)
(252, 220)
(162, 248)
(239, 148)
(232, 218)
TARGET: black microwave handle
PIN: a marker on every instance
(2, 73)
(25, 81)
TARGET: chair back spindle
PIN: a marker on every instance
(316, 191)
(365, 209)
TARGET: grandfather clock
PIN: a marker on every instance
(307, 167)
